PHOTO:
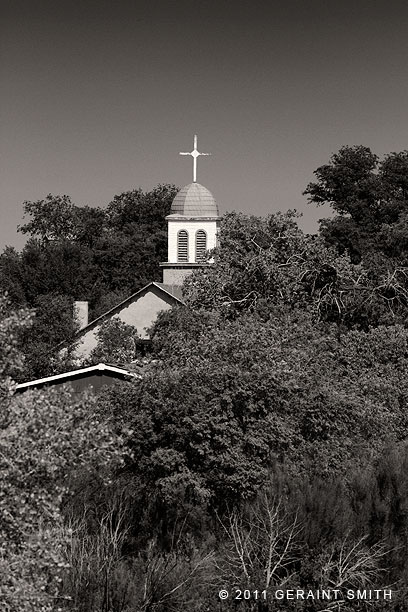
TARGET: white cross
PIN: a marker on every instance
(194, 154)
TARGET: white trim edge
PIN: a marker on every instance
(101, 367)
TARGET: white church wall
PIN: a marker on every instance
(141, 313)
(210, 227)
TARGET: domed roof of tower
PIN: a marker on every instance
(194, 200)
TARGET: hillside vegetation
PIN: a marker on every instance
(266, 448)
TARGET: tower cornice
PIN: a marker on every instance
(176, 217)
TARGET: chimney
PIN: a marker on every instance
(81, 313)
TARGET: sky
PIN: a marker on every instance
(99, 97)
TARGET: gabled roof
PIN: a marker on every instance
(66, 376)
(173, 292)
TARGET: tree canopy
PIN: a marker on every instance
(267, 264)
(370, 199)
(118, 343)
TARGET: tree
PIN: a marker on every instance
(52, 323)
(370, 198)
(255, 261)
(135, 207)
(45, 439)
(136, 238)
(86, 252)
(63, 267)
(118, 342)
(12, 325)
(262, 545)
(56, 218)
(266, 264)
(12, 277)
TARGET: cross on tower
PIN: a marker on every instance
(194, 154)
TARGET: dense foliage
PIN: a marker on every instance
(370, 199)
(117, 342)
(265, 448)
(229, 399)
(48, 442)
(264, 263)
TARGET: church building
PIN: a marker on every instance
(193, 229)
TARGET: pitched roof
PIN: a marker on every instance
(174, 293)
(66, 376)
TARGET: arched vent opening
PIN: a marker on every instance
(200, 245)
(182, 245)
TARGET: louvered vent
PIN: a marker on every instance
(182, 246)
(201, 245)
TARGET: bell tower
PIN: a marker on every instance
(193, 226)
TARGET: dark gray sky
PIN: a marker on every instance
(99, 97)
